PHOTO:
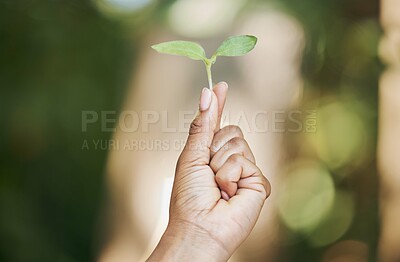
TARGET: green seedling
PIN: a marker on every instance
(232, 46)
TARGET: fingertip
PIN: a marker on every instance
(223, 85)
(205, 99)
(224, 195)
(221, 88)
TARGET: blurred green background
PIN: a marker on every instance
(60, 57)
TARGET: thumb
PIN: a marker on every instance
(197, 149)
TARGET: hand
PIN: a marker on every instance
(218, 190)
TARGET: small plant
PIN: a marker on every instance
(232, 46)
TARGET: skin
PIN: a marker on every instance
(218, 190)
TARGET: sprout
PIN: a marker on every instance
(232, 46)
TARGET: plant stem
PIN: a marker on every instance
(208, 68)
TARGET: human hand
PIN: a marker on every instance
(218, 190)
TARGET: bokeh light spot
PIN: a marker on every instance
(336, 222)
(340, 135)
(306, 195)
(193, 18)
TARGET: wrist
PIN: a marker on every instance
(186, 242)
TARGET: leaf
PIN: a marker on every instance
(182, 48)
(236, 46)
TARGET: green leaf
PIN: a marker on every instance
(236, 46)
(182, 48)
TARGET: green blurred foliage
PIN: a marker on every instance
(341, 70)
(57, 58)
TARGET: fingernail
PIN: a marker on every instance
(223, 84)
(224, 195)
(205, 99)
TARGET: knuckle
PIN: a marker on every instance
(238, 142)
(217, 145)
(267, 186)
(214, 167)
(235, 130)
(235, 158)
(195, 126)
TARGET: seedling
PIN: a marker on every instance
(232, 46)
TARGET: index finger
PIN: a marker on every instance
(220, 90)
